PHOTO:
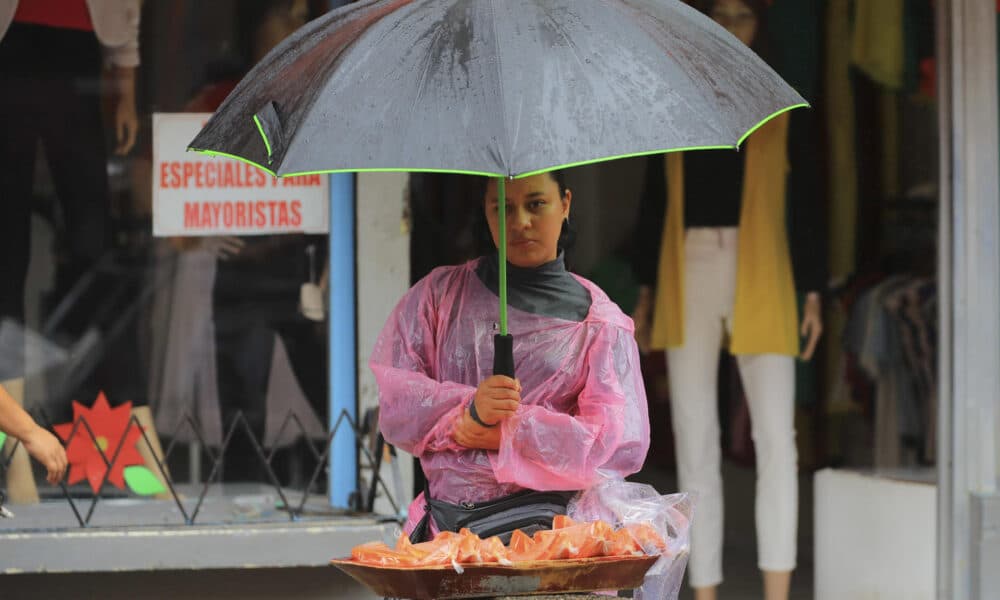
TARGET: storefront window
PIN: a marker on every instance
(208, 341)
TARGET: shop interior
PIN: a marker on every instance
(866, 154)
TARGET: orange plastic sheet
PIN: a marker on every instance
(566, 540)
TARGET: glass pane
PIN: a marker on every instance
(204, 340)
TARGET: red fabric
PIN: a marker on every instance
(211, 96)
(928, 77)
(64, 14)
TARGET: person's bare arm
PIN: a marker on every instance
(125, 116)
(14, 420)
(39, 443)
(812, 324)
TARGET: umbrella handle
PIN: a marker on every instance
(503, 342)
(503, 355)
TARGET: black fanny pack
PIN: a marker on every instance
(527, 510)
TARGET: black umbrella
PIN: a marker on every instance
(502, 88)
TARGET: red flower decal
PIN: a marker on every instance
(109, 425)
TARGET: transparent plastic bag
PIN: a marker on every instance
(623, 503)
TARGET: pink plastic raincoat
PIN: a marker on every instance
(583, 415)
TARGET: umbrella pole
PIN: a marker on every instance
(502, 188)
(503, 342)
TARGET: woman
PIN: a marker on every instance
(576, 413)
(724, 268)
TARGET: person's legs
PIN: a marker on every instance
(21, 115)
(18, 145)
(243, 357)
(73, 137)
(308, 357)
(777, 584)
(769, 381)
(694, 414)
(692, 370)
(79, 174)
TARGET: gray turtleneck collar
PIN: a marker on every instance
(547, 289)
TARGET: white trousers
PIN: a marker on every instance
(769, 384)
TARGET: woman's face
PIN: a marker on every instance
(535, 214)
(737, 17)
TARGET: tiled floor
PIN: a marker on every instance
(742, 578)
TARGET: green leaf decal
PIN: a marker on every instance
(142, 481)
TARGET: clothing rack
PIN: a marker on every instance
(890, 358)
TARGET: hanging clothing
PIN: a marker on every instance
(891, 334)
(842, 155)
(891, 39)
(183, 380)
(913, 308)
(796, 34)
(61, 14)
(583, 412)
(877, 42)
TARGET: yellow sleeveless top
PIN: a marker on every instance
(765, 319)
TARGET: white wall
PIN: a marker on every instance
(383, 266)
(875, 536)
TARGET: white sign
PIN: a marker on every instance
(198, 195)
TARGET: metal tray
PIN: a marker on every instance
(485, 580)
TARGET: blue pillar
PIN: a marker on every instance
(342, 335)
(343, 332)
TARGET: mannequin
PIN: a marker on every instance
(51, 55)
(714, 261)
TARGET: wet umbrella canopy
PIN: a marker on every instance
(503, 88)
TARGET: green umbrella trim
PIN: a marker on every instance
(395, 170)
(501, 181)
(666, 151)
(267, 143)
(619, 157)
(335, 171)
(234, 157)
(761, 124)
(489, 174)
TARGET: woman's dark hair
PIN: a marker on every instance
(485, 245)
(761, 44)
(559, 176)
